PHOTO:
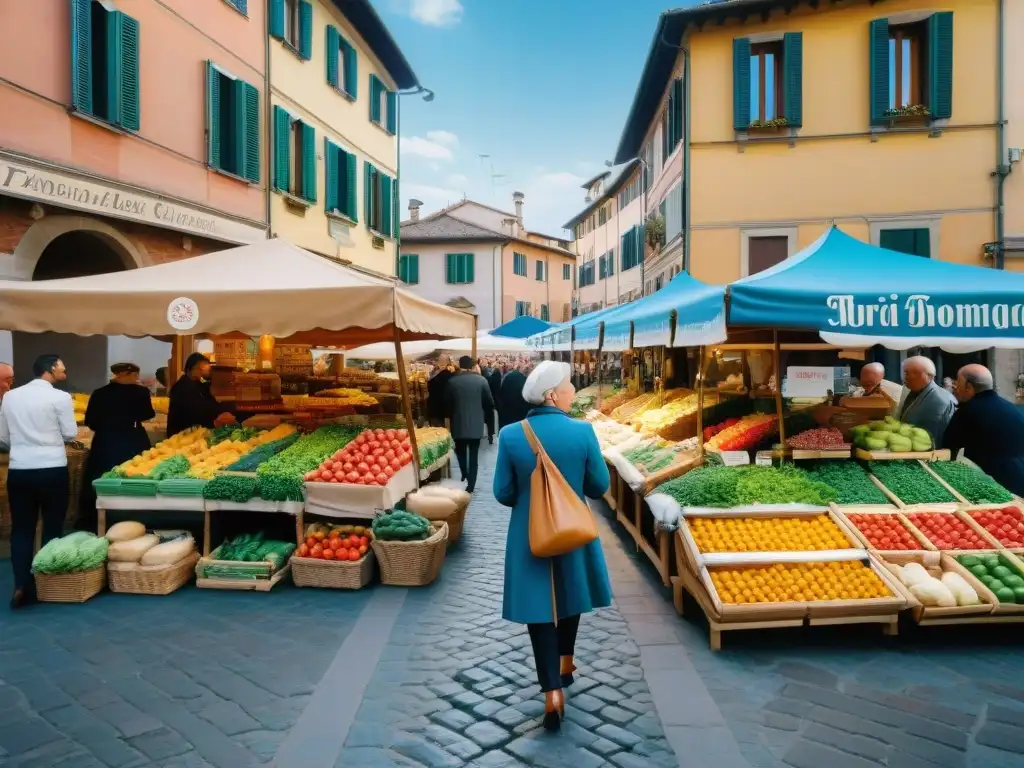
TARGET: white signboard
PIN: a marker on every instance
(735, 458)
(31, 181)
(809, 381)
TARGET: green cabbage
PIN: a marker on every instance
(78, 551)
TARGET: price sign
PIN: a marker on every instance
(763, 459)
(809, 381)
(735, 458)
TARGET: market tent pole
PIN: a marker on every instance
(700, 400)
(403, 387)
(778, 389)
(473, 345)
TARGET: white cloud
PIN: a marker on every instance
(432, 196)
(444, 138)
(436, 13)
(458, 181)
(421, 147)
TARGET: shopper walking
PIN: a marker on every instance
(467, 401)
(35, 421)
(550, 594)
(511, 406)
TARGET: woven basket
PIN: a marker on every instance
(455, 522)
(412, 563)
(332, 574)
(142, 581)
(70, 587)
(76, 472)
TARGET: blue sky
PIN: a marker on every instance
(542, 86)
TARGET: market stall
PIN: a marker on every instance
(277, 293)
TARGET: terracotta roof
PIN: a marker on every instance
(441, 226)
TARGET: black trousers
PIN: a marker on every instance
(29, 492)
(467, 452)
(489, 418)
(550, 643)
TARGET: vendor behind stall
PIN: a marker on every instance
(115, 414)
(191, 402)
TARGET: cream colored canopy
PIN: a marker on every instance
(270, 287)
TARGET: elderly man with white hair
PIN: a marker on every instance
(874, 384)
(925, 404)
(988, 428)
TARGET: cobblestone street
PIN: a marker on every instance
(434, 677)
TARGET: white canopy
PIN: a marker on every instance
(412, 349)
(269, 287)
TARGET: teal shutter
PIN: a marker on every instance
(369, 203)
(470, 267)
(351, 69)
(879, 72)
(238, 138)
(385, 205)
(305, 30)
(126, 43)
(914, 242)
(351, 209)
(277, 19)
(940, 65)
(376, 86)
(252, 133)
(392, 99)
(333, 49)
(793, 78)
(212, 116)
(81, 55)
(741, 83)
(415, 269)
(396, 210)
(332, 160)
(449, 271)
(282, 136)
(308, 162)
(108, 107)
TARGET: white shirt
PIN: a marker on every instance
(35, 421)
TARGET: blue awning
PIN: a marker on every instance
(521, 327)
(856, 294)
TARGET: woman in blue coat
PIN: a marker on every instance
(549, 594)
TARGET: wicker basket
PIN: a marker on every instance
(333, 574)
(412, 563)
(76, 472)
(70, 587)
(139, 580)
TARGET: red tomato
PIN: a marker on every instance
(317, 550)
(369, 478)
(351, 477)
(361, 438)
(326, 474)
(363, 541)
(362, 549)
(406, 446)
(338, 454)
(337, 543)
(362, 468)
(311, 541)
(328, 554)
(389, 434)
(310, 476)
(303, 550)
(360, 480)
(348, 466)
(389, 471)
(339, 475)
(389, 454)
(353, 554)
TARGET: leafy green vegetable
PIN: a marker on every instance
(719, 486)
(78, 551)
(232, 432)
(399, 525)
(251, 461)
(849, 480)
(971, 483)
(281, 477)
(237, 488)
(174, 466)
(910, 482)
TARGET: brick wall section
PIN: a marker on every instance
(161, 245)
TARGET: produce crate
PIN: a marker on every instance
(1001, 612)
(943, 505)
(936, 566)
(136, 579)
(802, 454)
(70, 587)
(333, 574)
(263, 582)
(862, 539)
(412, 563)
(942, 454)
(993, 543)
(971, 510)
(347, 500)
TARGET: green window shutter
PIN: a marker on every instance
(238, 139)
(923, 242)
(81, 55)
(332, 175)
(915, 242)
(333, 49)
(396, 209)
(741, 83)
(879, 71)
(793, 78)
(385, 205)
(940, 65)
(212, 116)
(126, 44)
(305, 30)
(415, 269)
(351, 69)
(449, 268)
(376, 86)
(351, 183)
(282, 136)
(277, 19)
(392, 99)
(470, 267)
(308, 162)
(371, 202)
(252, 133)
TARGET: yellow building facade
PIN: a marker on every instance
(333, 117)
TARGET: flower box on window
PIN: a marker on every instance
(767, 126)
(913, 113)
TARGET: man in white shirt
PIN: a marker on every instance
(35, 421)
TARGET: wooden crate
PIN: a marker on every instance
(942, 454)
(926, 546)
(936, 566)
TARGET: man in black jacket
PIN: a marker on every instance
(436, 391)
(511, 406)
(191, 403)
(467, 400)
(988, 428)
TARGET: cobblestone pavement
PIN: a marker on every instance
(434, 677)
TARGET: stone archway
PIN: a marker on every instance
(49, 228)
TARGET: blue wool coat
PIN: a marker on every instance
(580, 577)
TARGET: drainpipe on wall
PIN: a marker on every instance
(268, 116)
(686, 160)
(1002, 165)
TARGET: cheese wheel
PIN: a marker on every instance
(125, 531)
(131, 551)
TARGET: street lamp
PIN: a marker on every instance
(643, 219)
(428, 95)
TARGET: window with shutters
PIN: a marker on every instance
(539, 271)
(672, 119)
(519, 264)
(659, 281)
(380, 201)
(765, 82)
(765, 252)
(104, 64)
(524, 308)
(383, 105)
(342, 64)
(911, 69)
(232, 125)
(587, 274)
(459, 268)
(567, 271)
(296, 155)
(340, 185)
(602, 216)
(914, 241)
(409, 268)
(632, 247)
(544, 314)
(908, 65)
(291, 23)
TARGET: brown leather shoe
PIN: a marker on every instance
(568, 667)
(554, 710)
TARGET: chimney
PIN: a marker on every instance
(517, 198)
(414, 209)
